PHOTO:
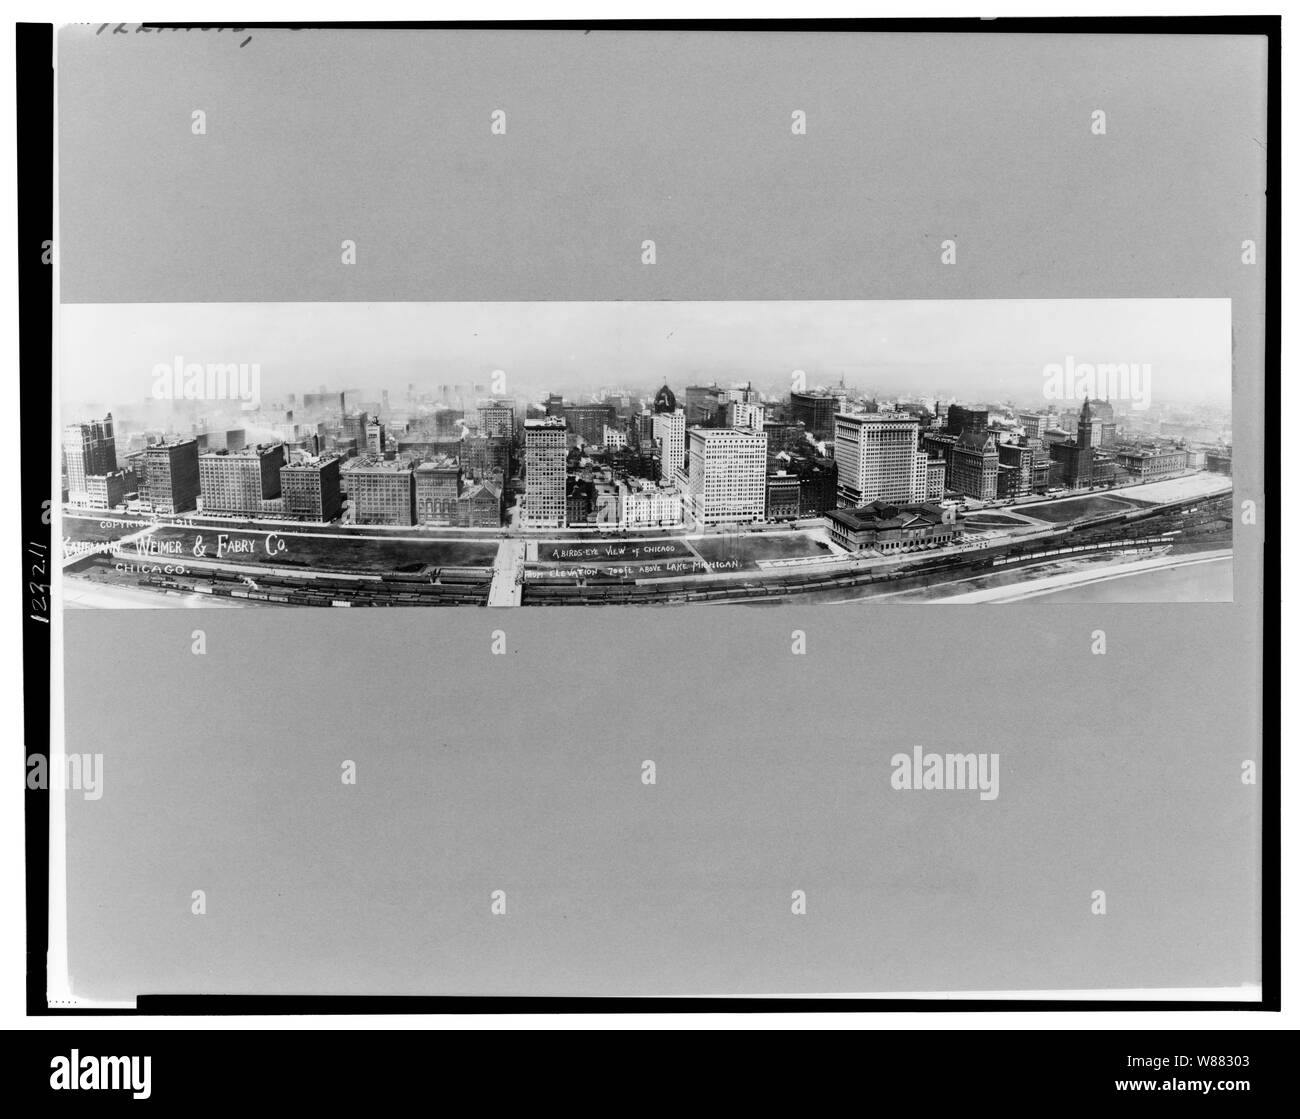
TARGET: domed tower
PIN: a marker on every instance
(665, 401)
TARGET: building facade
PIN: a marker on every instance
(381, 492)
(309, 490)
(727, 480)
(88, 448)
(649, 505)
(816, 411)
(888, 528)
(237, 484)
(974, 465)
(670, 434)
(877, 458)
(545, 452)
(437, 491)
(171, 482)
(782, 497)
(588, 421)
(745, 414)
(106, 491)
(496, 419)
(936, 475)
(1148, 463)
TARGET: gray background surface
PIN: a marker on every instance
(522, 772)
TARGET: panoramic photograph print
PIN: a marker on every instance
(645, 453)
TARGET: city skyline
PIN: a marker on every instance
(970, 349)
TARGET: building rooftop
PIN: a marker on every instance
(311, 463)
(439, 462)
(883, 514)
(877, 417)
(392, 466)
(251, 451)
(719, 432)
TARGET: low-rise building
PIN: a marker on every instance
(648, 504)
(1148, 463)
(479, 506)
(887, 528)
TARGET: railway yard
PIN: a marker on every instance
(312, 566)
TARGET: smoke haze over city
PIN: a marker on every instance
(969, 349)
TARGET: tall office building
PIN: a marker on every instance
(354, 427)
(496, 419)
(701, 402)
(310, 490)
(239, 483)
(1034, 423)
(89, 448)
(171, 477)
(481, 455)
(545, 450)
(745, 414)
(588, 421)
(641, 429)
(1103, 418)
(381, 492)
(972, 421)
(727, 482)
(817, 412)
(973, 468)
(670, 434)
(878, 458)
(1015, 468)
(936, 472)
(376, 437)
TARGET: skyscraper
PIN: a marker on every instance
(171, 481)
(381, 492)
(588, 421)
(974, 468)
(727, 482)
(745, 414)
(310, 490)
(238, 483)
(545, 446)
(670, 433)
(816, 410)
(496, 419)
(878, 458)
(89, 448)
(974, 421)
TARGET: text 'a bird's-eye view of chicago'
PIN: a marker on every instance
(575, 454)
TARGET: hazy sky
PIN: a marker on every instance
(972, 349)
